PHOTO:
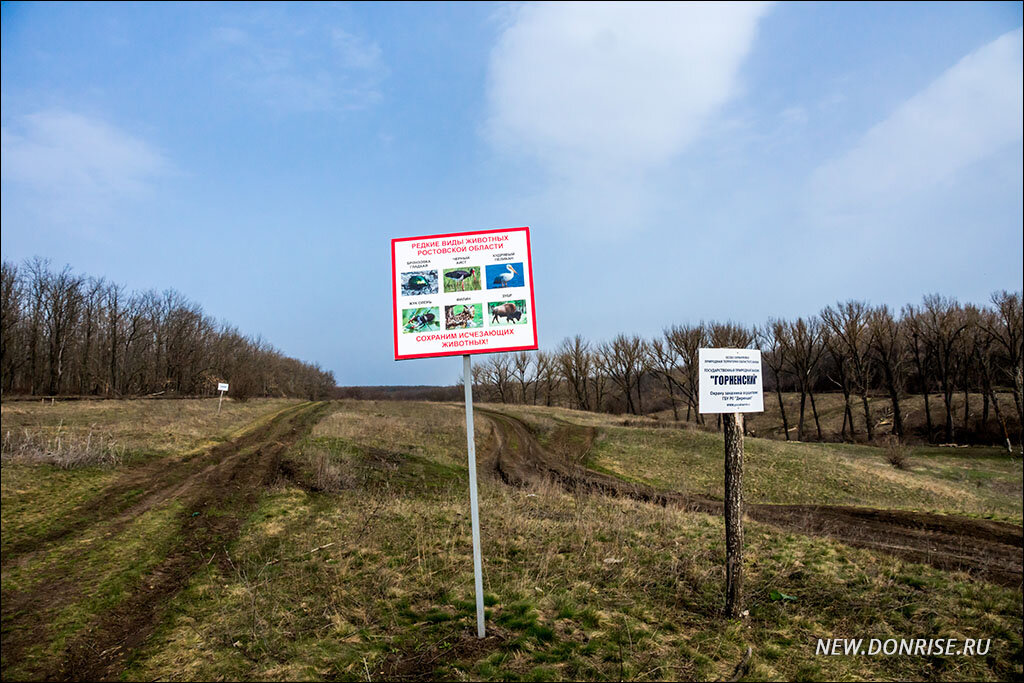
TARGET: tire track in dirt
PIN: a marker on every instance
(990, 550)
(139, 489)
(217, 496)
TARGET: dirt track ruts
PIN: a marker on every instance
(225, 481)
(987, 549)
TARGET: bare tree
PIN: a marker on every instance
(1007, 329)
(663, 361)
(522, 362)
(624, 358)
(544, 376)
(803, 341)
(773, 341)
(686, 341)
(944, 323)
(848, 323)
(575, 364)
(888, 343)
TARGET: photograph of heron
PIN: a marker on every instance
(507, 312)
(418, 282)
(505, 275)
(463, 316)
(461, 279)
(425, 319)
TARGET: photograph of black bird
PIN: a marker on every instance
(459, 276)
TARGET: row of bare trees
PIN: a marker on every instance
(63, 333)
(940, 347)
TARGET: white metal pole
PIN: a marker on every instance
(478, 577)
(219, 401)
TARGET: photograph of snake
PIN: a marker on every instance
(513, 312)
(463, 316)
(419, 282)
(461, 279)
(505, 275)
(425, 319)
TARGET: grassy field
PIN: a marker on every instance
(356, 564)
(976, 481)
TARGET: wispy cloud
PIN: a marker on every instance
(293, 67)
(68, 166)
(969, 113)
(602, 93)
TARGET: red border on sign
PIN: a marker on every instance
(394, 292)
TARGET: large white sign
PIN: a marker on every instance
(222, 386)
(463, 293)
(730, 381)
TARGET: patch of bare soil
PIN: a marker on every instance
(219, 490)
(420, 665)
(990, 550)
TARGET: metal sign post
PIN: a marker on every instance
(474, 512)
(459, 294)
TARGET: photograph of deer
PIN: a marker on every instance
(505, 275)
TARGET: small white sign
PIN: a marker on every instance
(730, 381)
(223, 386)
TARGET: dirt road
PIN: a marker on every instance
(217, 489)
(987, 549)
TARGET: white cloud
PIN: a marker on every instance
(67, 165)
(968, 114)
(615, 82)
(603, 93)
(296, 67)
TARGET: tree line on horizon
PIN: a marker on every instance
(939, 347)
(64, 333)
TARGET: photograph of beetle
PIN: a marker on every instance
(507, 312)
(505, 275)
(461, 279)
(425, 319)
(418, 282)
(463, 316)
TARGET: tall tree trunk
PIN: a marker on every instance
(814, 411)
(867, 415)
(782, 408)
(800, 424)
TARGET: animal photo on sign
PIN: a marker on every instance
(419, 282)
(461, 279)
(505, 275)
(507, 312)
(463, 316)
(421, 319)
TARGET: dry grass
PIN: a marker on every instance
(55, 432)
(66, 450)
(375, 581)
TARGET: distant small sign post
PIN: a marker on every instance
(460, 294)
(730, 383)
(221, 387)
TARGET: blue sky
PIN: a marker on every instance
(674, 162)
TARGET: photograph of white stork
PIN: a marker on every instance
(461, 279)
(505, 275)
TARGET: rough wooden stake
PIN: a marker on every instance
(733, 427)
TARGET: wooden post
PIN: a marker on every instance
(733, 424)
(219, 401)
